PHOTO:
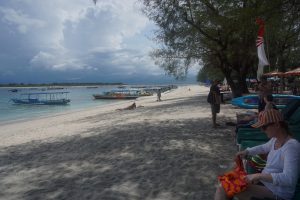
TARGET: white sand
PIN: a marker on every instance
(163, 150)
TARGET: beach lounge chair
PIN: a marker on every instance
(290, 109)
(294, 119)
(250, 143)
(291, 114)
(255, 135)
(287, 112)
(297, 192)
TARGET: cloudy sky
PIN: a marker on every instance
(76, 41)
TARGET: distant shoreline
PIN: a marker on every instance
(56, 84)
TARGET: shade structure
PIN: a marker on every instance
(251, 80)
(294, 72)
(274, 73)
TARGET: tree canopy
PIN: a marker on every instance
(209, 73)
(221, 34)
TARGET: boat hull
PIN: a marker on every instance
(251, 101)
(117, 97)
(41, 102)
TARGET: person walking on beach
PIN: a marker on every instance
(158, 95)
(264, 89)
(279, 178)
(214, 98)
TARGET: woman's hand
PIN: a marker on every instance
(242, 154)
(253, 178)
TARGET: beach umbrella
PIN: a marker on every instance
(294, 72)
(273, 78)
(251, 80)
(274, 73)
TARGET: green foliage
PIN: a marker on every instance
(221, 34)
(209, 73)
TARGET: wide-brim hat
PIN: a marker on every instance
(268, 117)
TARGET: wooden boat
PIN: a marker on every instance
(55, 88)
(251, 101)
(91, 87)
(117, 94)
(13, 90)
(43, 98)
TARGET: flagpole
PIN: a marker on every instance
(267, 43)
(262, 59)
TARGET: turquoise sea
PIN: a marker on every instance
(81, 97)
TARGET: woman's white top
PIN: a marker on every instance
(283, 164)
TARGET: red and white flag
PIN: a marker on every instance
(262, 59)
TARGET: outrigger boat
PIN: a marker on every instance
(251, 101)
(115, 96)
(13, 90)
(118, 94)
(43, 98)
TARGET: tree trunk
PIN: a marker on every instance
(243, 85)
(236, 92)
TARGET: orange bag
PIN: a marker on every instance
(234, 181)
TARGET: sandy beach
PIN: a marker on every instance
(164, 150)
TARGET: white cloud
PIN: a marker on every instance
(43, 59)
(20, 20)
(94, 29)
(77, 36)
(56, 62)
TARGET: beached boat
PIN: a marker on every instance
(114, 96)
(43, 98)
(251, 101)
(118, 94)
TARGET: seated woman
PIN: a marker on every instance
(279, 178)
(131, 107)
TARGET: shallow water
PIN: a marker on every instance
(81, 97)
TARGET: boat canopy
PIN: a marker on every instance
(38, 93)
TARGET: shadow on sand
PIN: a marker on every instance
(153, 159)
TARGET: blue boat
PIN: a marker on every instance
(251, 101)
(13, 90)
(43, 98)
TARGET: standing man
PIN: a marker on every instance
(214, 98)
(158, 95)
